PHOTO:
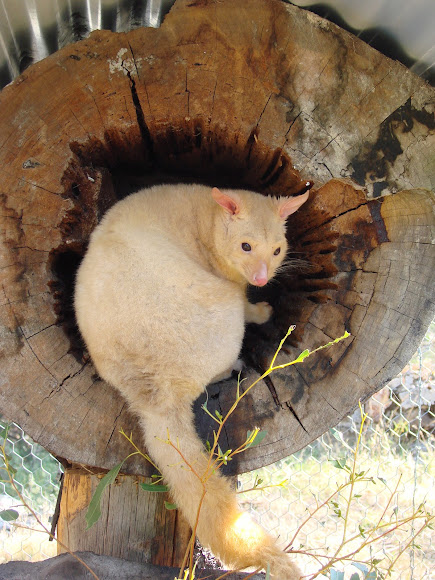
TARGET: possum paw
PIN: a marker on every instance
(258, 313)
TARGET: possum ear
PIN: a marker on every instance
(230, 204)
(288, 205)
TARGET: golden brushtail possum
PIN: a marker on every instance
(161, 303)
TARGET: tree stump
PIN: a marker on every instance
(265, 97)
(131, 526)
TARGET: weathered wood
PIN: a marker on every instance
(374, 277)
(66, 567)
(134, 524)
(227, 97)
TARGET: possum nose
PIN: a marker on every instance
(260, 275)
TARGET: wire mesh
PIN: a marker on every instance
(36, 474)
(397, 448)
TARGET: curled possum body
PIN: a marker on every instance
(161, 303)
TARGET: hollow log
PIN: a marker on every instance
(265, 97)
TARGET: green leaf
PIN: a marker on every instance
(9, 469)
(204, 408)
(154, 487)
(170, 506)
(9, 515)
(303, 356)
(335, 433)
(376, 561)
(268, 572)
(257, 439)
(94, 510)
(339, 464)
(337, 575)
(355, 576)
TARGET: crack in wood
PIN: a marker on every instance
(80, 123)
(334, 217)
(264, 109)
(293, 412)
(39, 331)
(139, 77)
(212, 102)
(31, 249)
(321, 150)
(329, 403)
(114, 426)
(99, 112)
(140, 116)
(272, 390)
(56, 193)
(327, 169)
(72, 375)
(290, 127)
(35, 355)
(188, 97)
(85, 416)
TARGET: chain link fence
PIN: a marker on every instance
(397, 449)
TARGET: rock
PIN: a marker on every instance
(67, 567)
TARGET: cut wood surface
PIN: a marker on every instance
(264, 96)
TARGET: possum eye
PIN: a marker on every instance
(246, 247)
(277, 251)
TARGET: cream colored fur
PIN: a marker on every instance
(161, 304)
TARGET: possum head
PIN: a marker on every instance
(250, 233)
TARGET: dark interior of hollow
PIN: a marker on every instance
(102, 172)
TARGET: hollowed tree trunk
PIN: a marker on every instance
(264, 96)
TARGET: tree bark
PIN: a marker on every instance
(266, 97)
(134, 525)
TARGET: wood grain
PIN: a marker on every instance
(134, 524)
(267, 96)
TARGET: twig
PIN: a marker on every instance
(57, 508)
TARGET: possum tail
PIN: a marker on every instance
(228, 532)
